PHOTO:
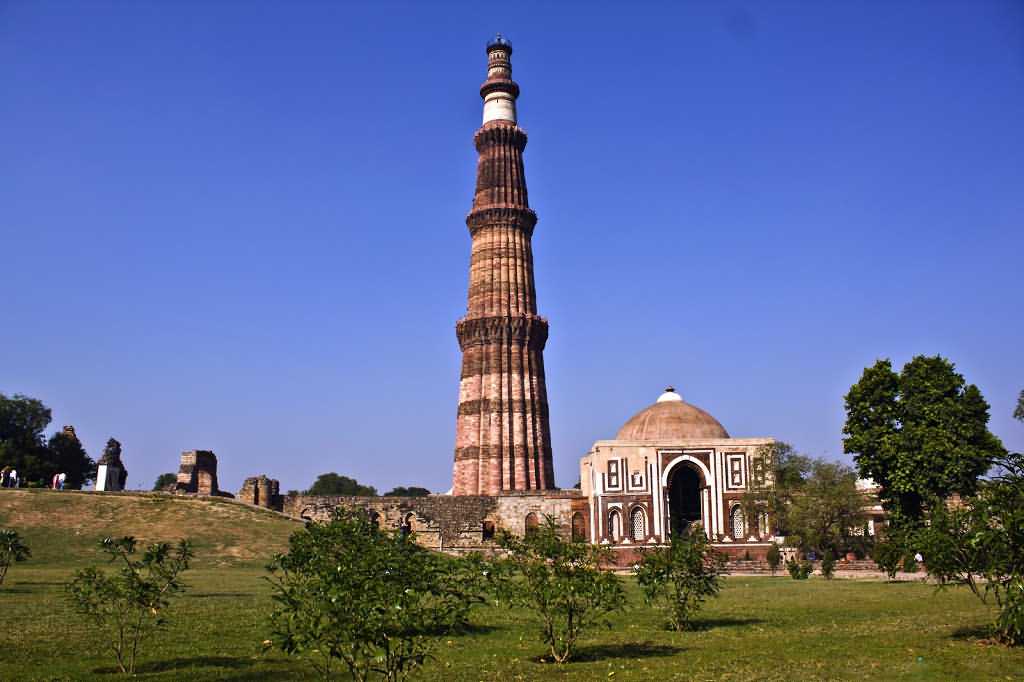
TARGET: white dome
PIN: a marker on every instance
(670, 395)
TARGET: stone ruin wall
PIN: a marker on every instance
(198, 474)
(448, 523)
(261, 491)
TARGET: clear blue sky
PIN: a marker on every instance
(239, 226)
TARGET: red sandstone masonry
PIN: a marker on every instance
(502, 440)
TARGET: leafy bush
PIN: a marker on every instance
(828, 566)
(349, 591)
(562, 582)
(129, 605)
(12, 550)
(681, 576)
(887, 554)
(799, 570)
(981, 545)
(909, 563)
(774, 558)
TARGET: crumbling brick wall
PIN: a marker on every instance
(261, 491)
(198, 473)
(447, 523)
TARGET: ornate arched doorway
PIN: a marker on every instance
(684, 491)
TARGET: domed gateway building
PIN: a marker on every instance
(670, 467)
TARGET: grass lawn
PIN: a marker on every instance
(759, 628)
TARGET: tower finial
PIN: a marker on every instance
(499, 90)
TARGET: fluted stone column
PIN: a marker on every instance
(502, 439)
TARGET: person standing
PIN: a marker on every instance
(55, 482)
(3, 476)
(12, 479)
(61, 479)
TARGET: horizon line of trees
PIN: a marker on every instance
(334, 484)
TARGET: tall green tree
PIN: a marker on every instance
(920, 434)
(67, 455)
(826, 508)
(22, 444)
(1018, 413)
(335, 484)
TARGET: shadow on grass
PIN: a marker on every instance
(626, 650)
(973, 632)
(712, 623)
(219, 595)
(173, 664)
(44, 583)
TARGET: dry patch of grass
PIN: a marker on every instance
(64, 527)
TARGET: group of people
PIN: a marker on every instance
(9, 478)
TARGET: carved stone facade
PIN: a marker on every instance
(502, 440)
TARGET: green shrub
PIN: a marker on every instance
(681, 576)
(12, 550)
(799, 570)
(909, 563)
(981, 545)
(828, 565)
(561, 581)
(129, 605)
(348, 591)
(887, 554)
(774, 558)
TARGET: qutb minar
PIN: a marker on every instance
(502, 438)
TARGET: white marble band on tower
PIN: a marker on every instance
(499, 90)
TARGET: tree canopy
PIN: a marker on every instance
(814, 502)
(23, 444)
(411, 491)
(920, 434)
(164, 480)
(336, 484)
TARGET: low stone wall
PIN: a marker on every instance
(445, 522)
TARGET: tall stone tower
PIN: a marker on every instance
(502, 437)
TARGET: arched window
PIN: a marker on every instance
(488, 530)
(579, 528)
(614, 525)
(762, 525)
(637, 523)
(532, 524)
(738, 523)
